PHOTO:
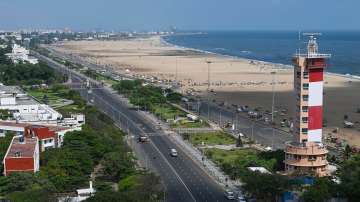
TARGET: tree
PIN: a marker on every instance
(266, 187)
(45, 99)
(350, 178)
(239, 142)
(319, 192)
(4, 114)
(117, 165)
(347, 152)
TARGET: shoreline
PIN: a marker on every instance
(285, 66)
(222, 55)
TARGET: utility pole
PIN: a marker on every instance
(273, 96)
(272, 108)
(208, 88)
(176, 70)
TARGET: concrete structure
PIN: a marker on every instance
(25, 108)
(7, 126)
(307, 154)
(21, 54)
(48, 136)
(22, 155)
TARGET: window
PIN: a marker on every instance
(312, 158)
(305, 86)
(305, 97)
(306, 75)
(304, 119)
(304, 131)
(305, 108)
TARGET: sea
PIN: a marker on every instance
(276, 46)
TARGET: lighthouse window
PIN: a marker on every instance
(306, 75)
(304, 131)
(304, 119)
(306, 86)
(305, 97)
(305, 108)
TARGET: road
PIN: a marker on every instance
(260, 132)
(183, 178)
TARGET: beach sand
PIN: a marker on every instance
(235, 81)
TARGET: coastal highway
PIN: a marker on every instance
(184, 179)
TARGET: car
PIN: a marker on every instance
(241, 199)
(173, 153)
(229, 195)
(143, 138)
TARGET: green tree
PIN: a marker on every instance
(319, 192)
(266, 187)
(350, 178)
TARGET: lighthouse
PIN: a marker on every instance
(306, 154)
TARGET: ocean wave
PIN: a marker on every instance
(246, 52)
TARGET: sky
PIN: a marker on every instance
(149, 15)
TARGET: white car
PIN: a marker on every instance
(229, 195)
(241, 199)
(173, 153)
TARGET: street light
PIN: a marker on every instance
(272, 108)
(208, 87)
(273, 96)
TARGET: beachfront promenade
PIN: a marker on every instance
(183, 178)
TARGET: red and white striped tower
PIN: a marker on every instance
(307, 153)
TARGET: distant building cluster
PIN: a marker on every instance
(37, 127)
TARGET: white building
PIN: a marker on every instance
(7, 126)
(21, 54)
(24, 108)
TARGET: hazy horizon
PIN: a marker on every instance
(128, 15)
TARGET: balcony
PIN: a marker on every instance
(305, 149)
(305, 162)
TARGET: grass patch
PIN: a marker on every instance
(48, 95)
(55, 97)
(190, 124)
(212, 138)
(235, 162)
(166, 111)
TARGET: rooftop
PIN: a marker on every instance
(13, 124)
(22, 149)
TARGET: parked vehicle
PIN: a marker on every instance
(229, 195)
(173, 153)
(143, 138)
(241, 199)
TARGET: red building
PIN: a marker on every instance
(49, 136)
(22, 155)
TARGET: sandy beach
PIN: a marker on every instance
(234, 81)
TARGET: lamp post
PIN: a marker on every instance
(273, 96)
(272, 108)
(208, 88)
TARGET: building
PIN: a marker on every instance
(25, 108)
(307, 154)
(7, 126)
(21, 54)
(48, 136)
(22, 155)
